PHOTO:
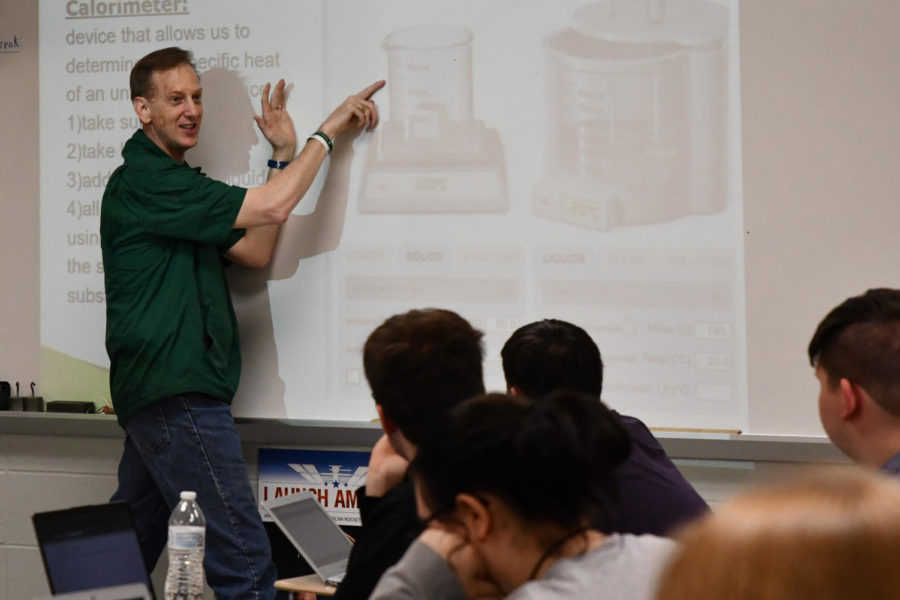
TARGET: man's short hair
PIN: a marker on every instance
(161, 60)
(419, 365)
(859, 340)
(551, 355)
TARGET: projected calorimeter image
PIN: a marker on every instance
(432, 155)
(637, 106)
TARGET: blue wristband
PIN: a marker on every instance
(278, 164)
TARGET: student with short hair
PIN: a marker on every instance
(419, 365)
(548, 355)
(855, 351)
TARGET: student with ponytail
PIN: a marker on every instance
(516, 494)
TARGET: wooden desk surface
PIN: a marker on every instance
(307, 583)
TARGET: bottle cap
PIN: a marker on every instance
(188, 495)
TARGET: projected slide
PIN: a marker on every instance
(577, 160)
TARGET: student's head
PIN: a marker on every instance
(419, 365)
(828, 537)
(550, 355)
(166, 95)
(856, 354)
(514, 474)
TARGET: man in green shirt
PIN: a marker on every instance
(167, 231)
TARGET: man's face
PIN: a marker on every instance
(830, 408)
(172, 116)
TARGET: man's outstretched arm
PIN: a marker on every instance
(266, 207)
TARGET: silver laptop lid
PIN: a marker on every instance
(313, 532)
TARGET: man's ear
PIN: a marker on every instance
(513, 390)
(387, 424)
(474, 515)
(142, 109)
(852, 399)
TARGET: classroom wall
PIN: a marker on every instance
(820, 167)
(19, 242)
(46, 472)
(39, 473)
(820, 122)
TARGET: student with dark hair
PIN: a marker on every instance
(553, 355)
(419, 365)
(514, 491)
(544, 356)
(855, 351)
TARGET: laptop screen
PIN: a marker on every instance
(132, 591)
(90, 547)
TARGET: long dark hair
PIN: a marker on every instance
(550, 460)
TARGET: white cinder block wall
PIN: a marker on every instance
(46, 472)
(39, 473)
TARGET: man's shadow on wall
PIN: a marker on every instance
(227, 135)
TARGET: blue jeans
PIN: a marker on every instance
(189, 442)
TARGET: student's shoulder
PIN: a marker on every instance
(645, 541)
(646, 550)
(635, 426)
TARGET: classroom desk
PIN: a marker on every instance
(307, 583)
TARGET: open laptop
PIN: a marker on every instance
(132, 591)
(90, 548)
(313, 532)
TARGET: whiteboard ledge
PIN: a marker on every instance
(363, 434)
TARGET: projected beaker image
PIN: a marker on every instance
(430, 75)
(432, 155)
(636, 114)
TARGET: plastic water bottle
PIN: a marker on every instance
(187, 539)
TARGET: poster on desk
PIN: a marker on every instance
(332, 475)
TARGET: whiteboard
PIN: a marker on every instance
(808, 219)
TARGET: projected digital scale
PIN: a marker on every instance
(432, 155)
(637, 114)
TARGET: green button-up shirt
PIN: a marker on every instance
(170, 325)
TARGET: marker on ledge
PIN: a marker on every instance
(695, 430)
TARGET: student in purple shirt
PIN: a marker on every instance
(856, 355)
(550, 355)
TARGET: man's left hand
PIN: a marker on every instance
(276, 124)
